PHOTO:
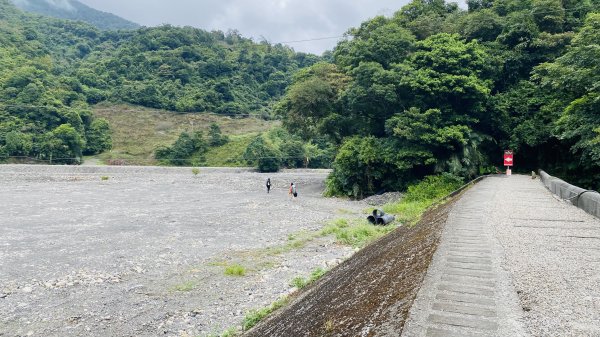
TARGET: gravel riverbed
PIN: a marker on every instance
(142, 251)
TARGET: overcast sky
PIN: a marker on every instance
(274, 20)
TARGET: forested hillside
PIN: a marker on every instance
(432, 89)
(43, 111)
(191, 70)
(75, 10)
(52, 70)
(435, 88)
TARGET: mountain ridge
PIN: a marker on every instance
(75, 10)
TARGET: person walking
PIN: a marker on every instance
(293, 191)
(268, 185)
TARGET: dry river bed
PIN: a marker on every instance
(134, 251)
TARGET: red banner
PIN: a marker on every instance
(508, 158)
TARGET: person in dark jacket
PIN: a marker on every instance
(268, 185)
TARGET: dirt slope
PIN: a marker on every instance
(369, 294)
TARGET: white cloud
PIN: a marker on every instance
(275, 20)
(63, 4)
(21, 2)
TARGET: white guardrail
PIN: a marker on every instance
(588, 200)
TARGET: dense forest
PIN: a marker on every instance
(436, 88)
(75, 10)
(52, 70)
(432, 89)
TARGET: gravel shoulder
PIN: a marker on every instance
(552, 249)
(143, 252)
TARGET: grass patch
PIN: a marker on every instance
(196, 171)
(231, 332)
(104, 178)
(421, 196)
(344, 211)
(408, 212)
(301, 282)
(235, 270)
(138, 131)
(295, 241)
(253, 317)
(186, 286)
(356, 233)
(230, 154)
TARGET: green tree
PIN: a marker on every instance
(216, 138)
(183, 149)
(262, 155)
(98, 137)
(577, 75)
(69, 145)
(361, 168)
(18, 144)
(292, 153)
(311, 101)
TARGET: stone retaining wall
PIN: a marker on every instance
(587, 200)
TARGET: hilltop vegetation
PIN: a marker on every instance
(191, 70)
(43, 111)
(432, 89)
(435, 88)
(52, 70)
(75, 10)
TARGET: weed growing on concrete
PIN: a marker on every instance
(301, 282)
(253, 317)
(104, 178)
(196, 171)
(316, 274)
(328, 326)
(235, 270)
(298, 282)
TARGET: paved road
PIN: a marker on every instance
(513, 261)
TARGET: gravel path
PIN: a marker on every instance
(514, 261)
(143, 252)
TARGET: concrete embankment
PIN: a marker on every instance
(369, 294)
(507, 259)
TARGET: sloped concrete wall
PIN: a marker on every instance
(587, 200)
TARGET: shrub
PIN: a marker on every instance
(235, 270)
(422, 196)
(215, 138)
(183, 149)
(356, 234)
(433, 187)
(262, 155)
